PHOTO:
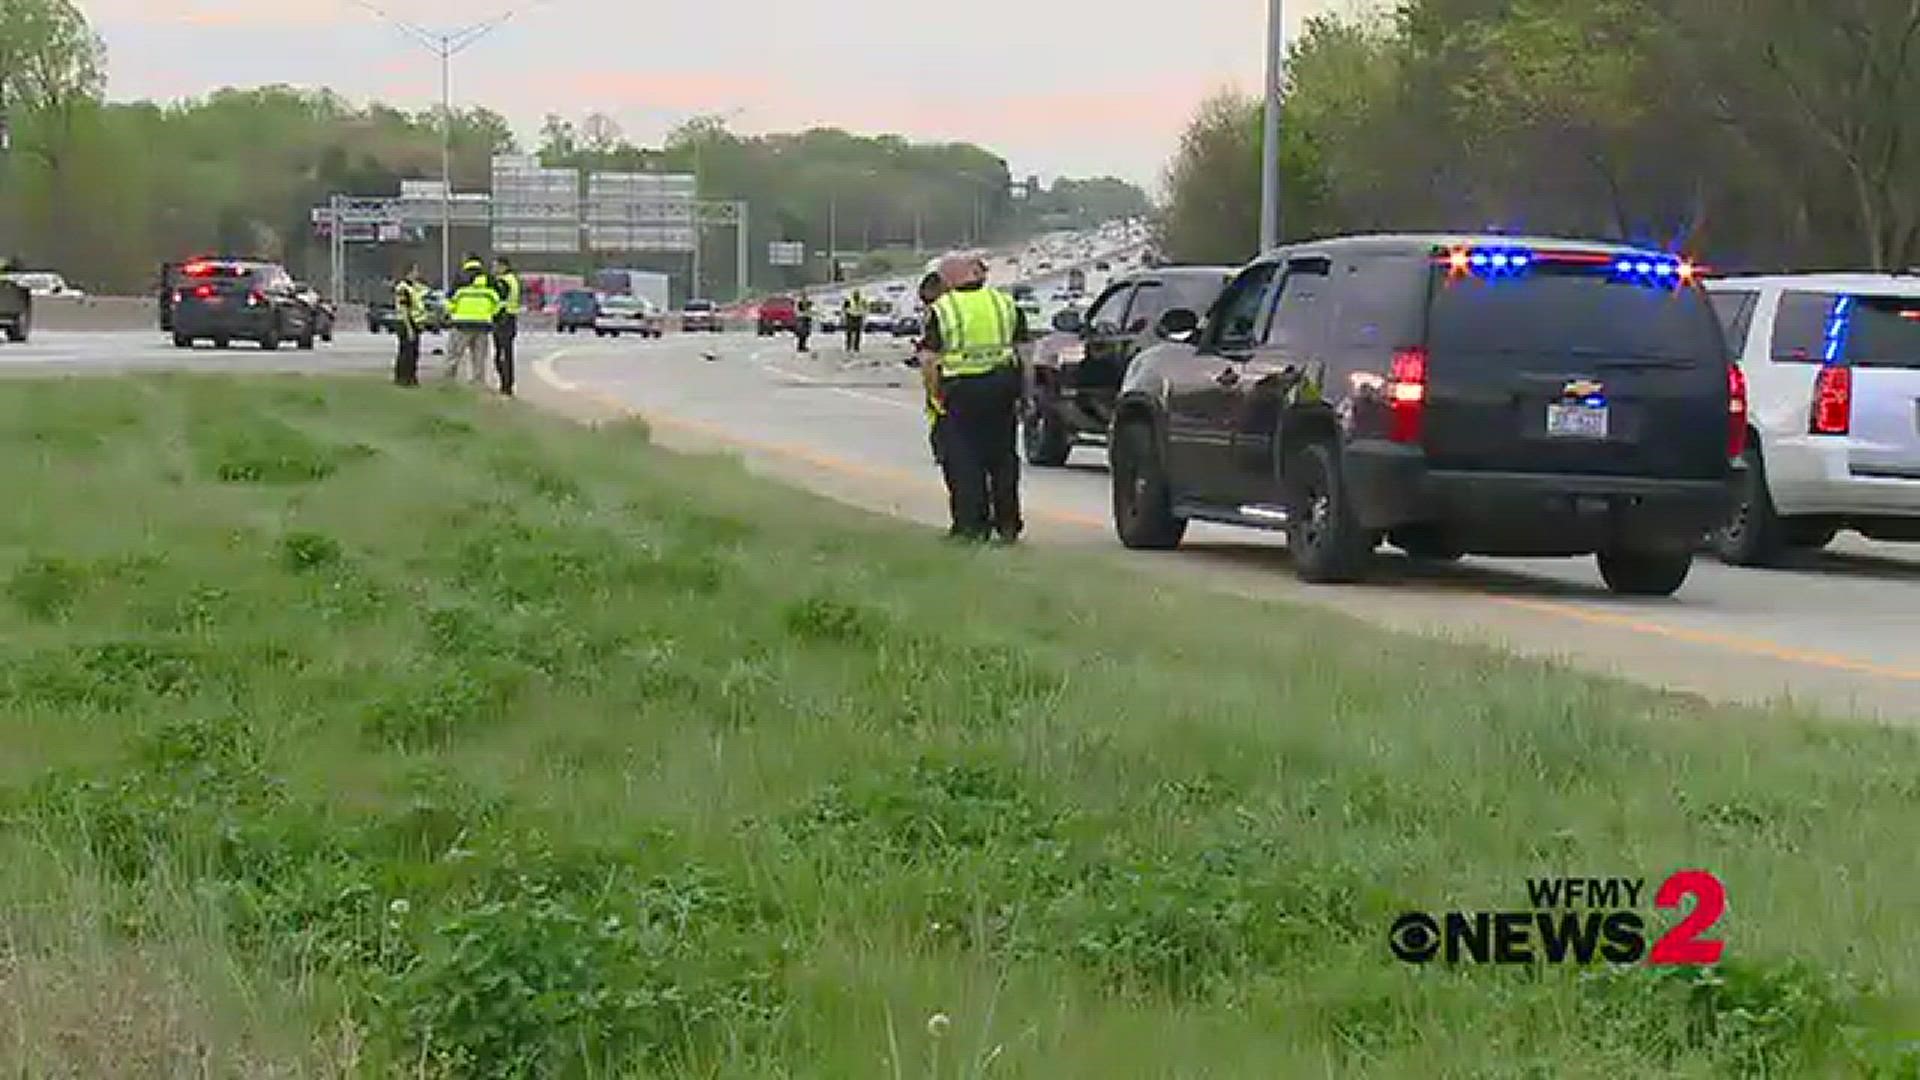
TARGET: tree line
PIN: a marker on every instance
(104, 191)
(1764, 134)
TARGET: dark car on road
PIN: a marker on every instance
(319, 309)
(1448, 395)
(1075, 373)
(227, 300)
(16, 311)
(575, 310)
(384, 318)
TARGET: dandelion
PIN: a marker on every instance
(399, 907)
(937, 1024)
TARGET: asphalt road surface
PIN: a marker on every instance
(1838, 633)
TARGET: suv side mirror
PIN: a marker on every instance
(1178, 324)
(1068, 321)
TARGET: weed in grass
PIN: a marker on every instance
(45, 588)
(263, 450)
(825, 619)
(429, 703)
(304, 551)
(540, 478)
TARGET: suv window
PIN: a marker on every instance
(1235, 318)
(1149, 303)
(1800, 327)
(1560, 309)
(1300, 310)
(1379, 301)
(1105, 314)
(1864, 331)
(1735, 308)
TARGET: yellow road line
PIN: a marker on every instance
(1735, 643)
(1731, 642)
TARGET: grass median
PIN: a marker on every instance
(357, 731)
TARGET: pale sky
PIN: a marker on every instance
(1075, 87)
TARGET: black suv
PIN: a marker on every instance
(220, 300)
(1075, 373)
(1451, 395)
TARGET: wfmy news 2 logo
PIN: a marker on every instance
(1573, 920)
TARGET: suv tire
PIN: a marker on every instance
(1047, 441)
(1645, 573)
(20, 329)
(182, 341)
(1142, 500)
(1326, 540)
(1752, 535)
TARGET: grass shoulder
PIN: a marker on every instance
(353, 731)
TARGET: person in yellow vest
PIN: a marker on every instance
(470, 312)
(802, 322)
(931, 287)
(506, 323)
(974, 337)
(409, 320)
(854, 313)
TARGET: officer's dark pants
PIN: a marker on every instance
(505, 329)
(978, 454)
(406, 361)
(802, 330)
(854, 328)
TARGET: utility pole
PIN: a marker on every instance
(833, 236)
(1270, 140)
(445, 46)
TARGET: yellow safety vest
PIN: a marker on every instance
(857, 306)
(510, 304)
(976, 331)
(411, 302)
(474, 304)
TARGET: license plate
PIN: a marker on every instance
(1577, 421)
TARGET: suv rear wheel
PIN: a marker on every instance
(20, 329)
(1645, 573)
(1326, 540)
(1752, 535)
(1142, 500)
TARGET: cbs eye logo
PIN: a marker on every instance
(1415, 937)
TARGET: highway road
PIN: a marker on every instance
(1838, 633)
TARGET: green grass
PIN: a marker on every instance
(351, 731)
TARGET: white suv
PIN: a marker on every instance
(1833, 385)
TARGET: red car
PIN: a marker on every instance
(778, 313)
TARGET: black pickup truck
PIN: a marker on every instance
(16, 310)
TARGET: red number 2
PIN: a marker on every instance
(1683, 944)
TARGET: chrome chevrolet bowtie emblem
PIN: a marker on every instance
(1582, 388)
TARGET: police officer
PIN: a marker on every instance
(854, 311)
(802, 322)
(409, 321)
(931, 287)
(506, 323)
(470, 315)
(972, 343)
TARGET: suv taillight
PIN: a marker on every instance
(203, 291)
(1736, 411)
(1832, 401)
(1407, 394)
(256, 298)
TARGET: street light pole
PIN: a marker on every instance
(446, 171)
(446, 46)
(1270, 140)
